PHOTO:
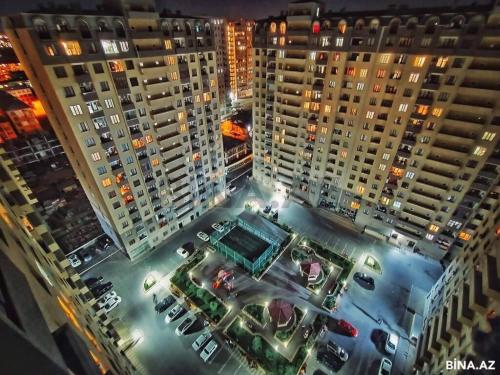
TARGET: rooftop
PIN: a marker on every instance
(10, 103)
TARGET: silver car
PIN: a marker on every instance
(176, 311)
(184, 326)
(209, 350)
(201, 340)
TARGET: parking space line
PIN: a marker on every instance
(225, 363)
(238, 369)
(99, 262)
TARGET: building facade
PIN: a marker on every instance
(133, 97)
(21, 115)
(240, 59)
(390, 119)
(219, 28)
(461, 311)
(48, 314)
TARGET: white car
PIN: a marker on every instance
(209, 350)
(184, 326)
(391, 343)
(174, 313)
(104, 298)
(218, 227)
(201, 340)
(203, 236)
(385, 367)
(110, 304)
(182, 252)
(74, 260)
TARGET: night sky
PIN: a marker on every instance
(233, 9)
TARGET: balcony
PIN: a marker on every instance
(453, 326)
(423, 193)
(436, 185)
(444, 160)
(466, 314)
(465, 117)
(485, 85)
(417, 214)
(491, 279)
(421, 204)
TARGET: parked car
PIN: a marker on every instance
(93, 281)
(182, 252)
(231, 188)
(273, 211)
(87, 257)
(209, 350)
(176, 311)
(364, 277)
(385, 367)
(107, 296)
(218, 227)
(337, 351)
(391, 343)
(99, 290)
(203, 236)
(74, 260)
(347, 328)
(184, 326)
(111, 304)
(164, 304)
(201, 340)
(267, 209)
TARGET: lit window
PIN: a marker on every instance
(115, 119)
(148, 139)
(343, 154)
(410, 175)
(106, 182)
(283, 27)
(174, 76)
(109, 46)
(324, 130)
(479, 151)
(342, 27)
(181, 115)
(72, 48)
(168, 44)
(183, 128)
(360, 86)
(360, 189)
(273, 27)
(355, 205)
(339, 41)
(384, 59)
(437, 112)
(433, 228)
(442, 62)
(419, 61)
(76, 109)
(328, 108)
(385, 200)
(386, 156)
(109, 103)
(397, 204)
(170, 60)
(370, 114)
(380, 73)
(413, 77)
(124, 45)
(422, 109)
(307, 105)
(464, 236)
(50, 50)
(206, 96)
(382, 167)
(429, 236)
(96, 156)
(282, 41)
(155, 162)
(487, 136)
(363, 73)
(403, 107)
(376, 88)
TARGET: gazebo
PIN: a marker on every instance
(310, 269)
(280, 312)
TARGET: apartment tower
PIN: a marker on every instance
(48, 314)
(239, 54)
(133, 97)
(219, 29)
(390, 118)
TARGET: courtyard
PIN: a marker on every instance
(400, 274)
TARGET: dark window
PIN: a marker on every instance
(69, 92)
(134, 82)
(104, 86)
(129, 64)
(98, 68)
(60, 72)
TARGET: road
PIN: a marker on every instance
(162, 352)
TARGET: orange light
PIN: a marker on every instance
(230, 129)
(38, 109)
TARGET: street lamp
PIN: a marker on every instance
(206, 253)
(304, 243)
(137, 336)
(203, 284)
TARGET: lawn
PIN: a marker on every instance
(262, 352)
(202, 298)
(255, 311)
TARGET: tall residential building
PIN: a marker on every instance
(132, 95)
(219, 29)
(21, 115)
(389, 118)
(461, 319)
(47, 314)
(239, 54)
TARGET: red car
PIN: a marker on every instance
(348, 328)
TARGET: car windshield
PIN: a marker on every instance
(391, 345)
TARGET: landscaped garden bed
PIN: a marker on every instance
(335, 258)
(202, 298)
(256, 312)
(263, 353)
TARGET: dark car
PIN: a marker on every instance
(164, 304)
(364, 277)
(93, 281)
(267, 209)
(99, 290)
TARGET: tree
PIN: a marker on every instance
(214, 306)
(257, 344)
(269, 353)
(200, 293)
